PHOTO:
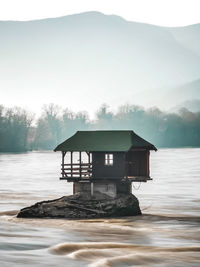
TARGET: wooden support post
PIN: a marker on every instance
(63, 162)
(71, 163)
(80, 163)
(126, 165)
(89, 163)
(92, 189)
(73, 188)
(148, 163)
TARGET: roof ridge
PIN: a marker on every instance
(103, 140)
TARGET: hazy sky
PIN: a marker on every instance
(159, 12)
(22, 85)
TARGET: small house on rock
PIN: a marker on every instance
(105, 162)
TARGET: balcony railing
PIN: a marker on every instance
(76, 170)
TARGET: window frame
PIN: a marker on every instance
(108, 159)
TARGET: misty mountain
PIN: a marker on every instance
(191, 105)
(85, 59)
(173, 98)
(188, 96)
(184, 93)
(188, 36)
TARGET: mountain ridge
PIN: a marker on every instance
(104, 56)
(101, 13)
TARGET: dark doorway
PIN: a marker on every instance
(136, 162)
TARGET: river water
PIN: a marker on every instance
(167, 234)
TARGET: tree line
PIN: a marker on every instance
(19, 131)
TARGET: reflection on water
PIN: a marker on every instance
(167, 234)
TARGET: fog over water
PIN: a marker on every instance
(167, 234)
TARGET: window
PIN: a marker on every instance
(109, 159)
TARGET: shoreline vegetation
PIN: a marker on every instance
(20, 132)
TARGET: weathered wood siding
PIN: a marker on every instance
(137, 163)
(100, 170)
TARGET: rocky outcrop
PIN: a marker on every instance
(81, 206)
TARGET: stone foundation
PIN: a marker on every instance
(93, 189)
(108, 188)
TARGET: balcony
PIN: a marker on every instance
(76, 171)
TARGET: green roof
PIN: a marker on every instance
(111, 141)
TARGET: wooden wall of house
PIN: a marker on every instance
(137, 163)
(100, 170)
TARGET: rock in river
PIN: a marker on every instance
(81, 206)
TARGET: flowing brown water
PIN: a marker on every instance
(167, 234)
